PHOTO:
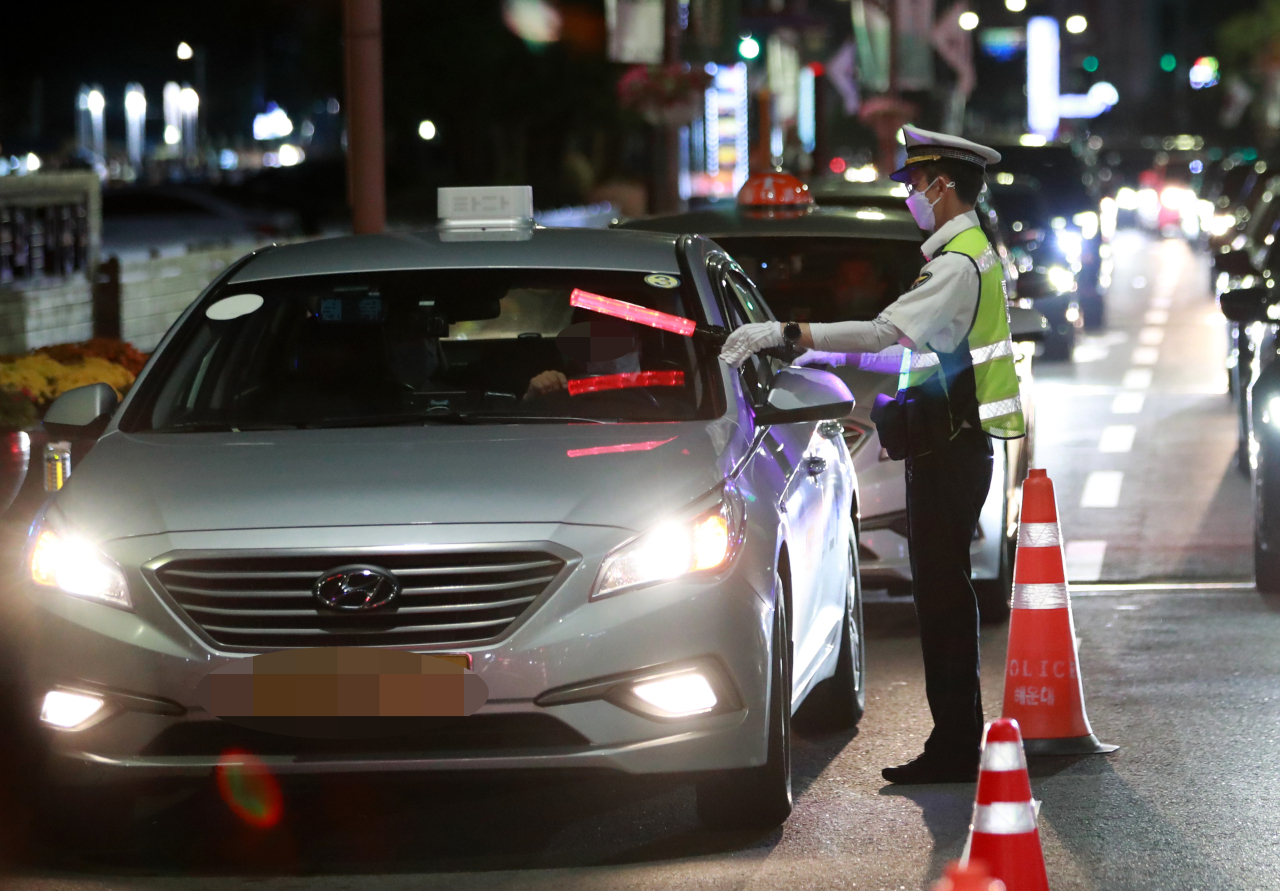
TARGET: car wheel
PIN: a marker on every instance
(842, 698)
(1266, 570)
(759, 797)
(994, 594)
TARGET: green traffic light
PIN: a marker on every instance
(1168, 62)
(1090, 64)
(749, 47)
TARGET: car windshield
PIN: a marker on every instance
(825, 279)
(421, 347)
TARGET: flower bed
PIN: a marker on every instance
(30, 383)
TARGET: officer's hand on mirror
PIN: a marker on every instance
(545, 384)
(810, 358)
(750, 339)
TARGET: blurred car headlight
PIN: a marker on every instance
(1088, 223)
(1061, 279)
(76, 567)
(1126, 199)
(1221, 224)
(705, 543)
(1071, 243)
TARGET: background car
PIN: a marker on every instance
(648, 560)
(1046, 270)
(1060, 175)
(828, 264)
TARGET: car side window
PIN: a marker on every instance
(743, 305)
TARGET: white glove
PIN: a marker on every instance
(750, 339)
(818, 357)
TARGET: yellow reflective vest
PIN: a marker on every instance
(979, 380)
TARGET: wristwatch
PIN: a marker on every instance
(791, 333)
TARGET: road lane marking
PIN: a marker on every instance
(1102, 488)
(1083, 560)
(1127, 404)
(1115, 589)
(1156, 317)
(1117, 438)
(1145, 356)
(1151, 336)
(1137, 379)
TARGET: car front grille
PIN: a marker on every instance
(474, 735)
(455, 598)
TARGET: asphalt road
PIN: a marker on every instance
(1180, 671)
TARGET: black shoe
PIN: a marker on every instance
(932, 769)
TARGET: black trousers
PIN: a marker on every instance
(945, 492)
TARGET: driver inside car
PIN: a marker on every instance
(595, 347)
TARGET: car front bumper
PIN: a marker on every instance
(147, 664)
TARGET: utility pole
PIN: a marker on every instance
(366, 175)
(667, 197)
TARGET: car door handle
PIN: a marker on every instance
(815, 465)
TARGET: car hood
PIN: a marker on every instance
(625, 475)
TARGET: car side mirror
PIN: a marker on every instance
(1026, 324)
(1247, 305)
(82, 413)
(805, 394)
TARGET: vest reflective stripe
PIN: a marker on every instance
(990, 346)
(989, 410)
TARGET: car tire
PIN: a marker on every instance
(994, 595)
(1266, 570)
(759, 797)
(841, 699)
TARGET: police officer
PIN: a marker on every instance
(958, 365)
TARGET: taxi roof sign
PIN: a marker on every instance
(483, 207)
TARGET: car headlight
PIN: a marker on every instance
(704, 543)
(76, 567)
(1061, 279)
(1070, 243)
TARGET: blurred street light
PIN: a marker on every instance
(1076, 24)
(184, 51)
(272, 123)
(135, 118)
(427, 130)
(172, 113)
(189, 106)
(968, 20)
(1015, 5)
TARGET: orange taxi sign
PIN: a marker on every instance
(774, 190)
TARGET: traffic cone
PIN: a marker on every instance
(1003, 834)
(1042, 688)
(968, 877)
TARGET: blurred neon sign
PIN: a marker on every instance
(626, 381)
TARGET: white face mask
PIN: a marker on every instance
(921, 207)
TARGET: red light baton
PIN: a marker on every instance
(627, 381)
(620, 309)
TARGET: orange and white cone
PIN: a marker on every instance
(1003, 834)
(972, 876)
(1042, 688)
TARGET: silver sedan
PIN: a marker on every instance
(512, 447)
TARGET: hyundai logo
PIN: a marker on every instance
(351, 588)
